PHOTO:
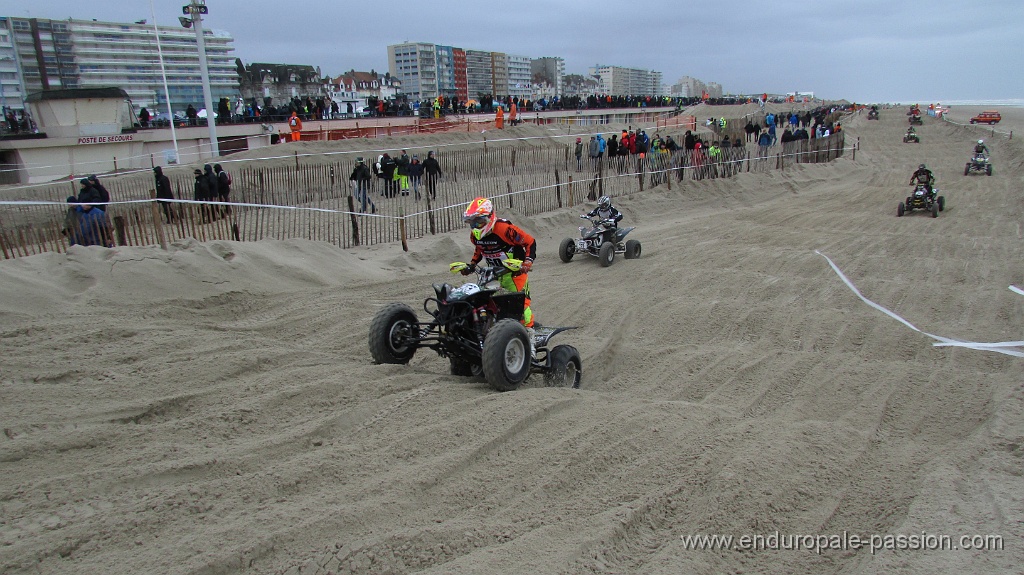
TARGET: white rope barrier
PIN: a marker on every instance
(999, 347)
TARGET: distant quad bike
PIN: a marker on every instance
(873, 114)
(978, 163)
(602, 240)
(911, 138)
(922, 200)
(476, 326)
(916, 119)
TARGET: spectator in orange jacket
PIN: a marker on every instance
(499, 118)
(295, 123)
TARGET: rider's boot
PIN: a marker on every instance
(533, 344)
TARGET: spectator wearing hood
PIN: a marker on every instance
(92, 227)
(579, 154)
(433, 171)
(164, 192)
(415, 174)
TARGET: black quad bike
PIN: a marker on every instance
(873, 114)
(911, 137)
(922, 200)
(476, 326)
(979, 163)
(916, 119)
(602, 240)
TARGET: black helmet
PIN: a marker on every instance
(921, 167)
(604, 202)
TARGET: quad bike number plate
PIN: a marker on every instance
(581, 245)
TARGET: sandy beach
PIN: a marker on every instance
(733, 384)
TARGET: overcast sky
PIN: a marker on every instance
(860, 50)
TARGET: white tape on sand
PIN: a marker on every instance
(999, 347)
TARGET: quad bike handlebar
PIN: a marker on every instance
(487, 273)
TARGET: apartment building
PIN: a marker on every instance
(619, 81)
(58, 54)
(429, 70)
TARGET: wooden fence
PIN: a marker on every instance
(315, 200)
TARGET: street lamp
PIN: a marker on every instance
(194, 20)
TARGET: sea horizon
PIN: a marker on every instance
(1011, 102)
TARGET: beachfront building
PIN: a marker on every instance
(547, 75)
(688, 87)
(11, 95)
(360, 88)
(619, 81)
(279, 83)
(68, 54)
(427, 71)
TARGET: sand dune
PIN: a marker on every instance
(733, 384)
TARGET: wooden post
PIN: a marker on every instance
(8, 255)
(430, 214)
(485, 143)
(296, 160)
(122, 236)
(508, 189)
(513, 158)
(152, 162)
(401, 225)
(355, 221)
(558, 189)
(855, 149)
(572, 200)
(158, 221)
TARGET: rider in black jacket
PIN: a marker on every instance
(923, 176)
(606, 211)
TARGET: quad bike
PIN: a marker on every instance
(916, 119)
(911, 137)
(602, 240)
(873, 114)
(922, 200)
(979, 163)
(476, 326)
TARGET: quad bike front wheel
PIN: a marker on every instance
(942, 203)
(632, 249)
(566, 250)
(506, 357)
(565, 368)
(390, 331)
(900, 210)
(967, 169)
(935, 210)
(988, 169)
(606, 254)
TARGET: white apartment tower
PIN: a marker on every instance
(58, 54)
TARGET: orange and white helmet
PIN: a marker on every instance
(480, 216)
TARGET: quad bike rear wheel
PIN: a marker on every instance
(466, 369)
(390, 327)
(565, 368)
(632, 249)
(606, 254)
(566, 250)
(506, 357)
